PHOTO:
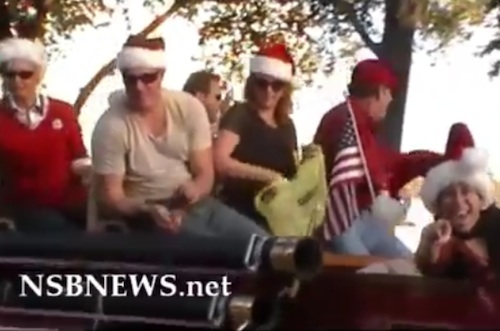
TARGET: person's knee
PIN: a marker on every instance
(348, 243)
(391, 247)
(232, 223)
(43, 220)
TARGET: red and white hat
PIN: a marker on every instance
(22, 49)
(142, 53)
(274, 60)
(465, 164)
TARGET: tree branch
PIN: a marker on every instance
(360, 29)
(108, 68)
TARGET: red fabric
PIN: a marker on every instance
(448, 255)
(389, 170)
(459, 137)
(277, 51)
(36, 164)
(374, 73)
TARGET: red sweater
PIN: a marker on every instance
(35, 164)
(389, 169)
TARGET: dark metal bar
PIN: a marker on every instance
(299, 256)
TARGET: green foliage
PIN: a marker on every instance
(315, 29)
(66, 16)
(231, 30)
(318, 31)
(494, 45)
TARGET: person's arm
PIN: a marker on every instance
(433, 258)
(228, 138)
(200, 154)
(81, 161)
(108, 156)
(407, 166)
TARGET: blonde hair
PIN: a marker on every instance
(284, 106)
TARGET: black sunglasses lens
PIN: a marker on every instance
(144, 78)
(20, 74)
(275, 85)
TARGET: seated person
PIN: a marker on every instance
(41, 149)
(464, 241)
(365, 176)
(256, 141)
(152, 154)
(206, 87)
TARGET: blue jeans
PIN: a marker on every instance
(209, 217)
(369, 236)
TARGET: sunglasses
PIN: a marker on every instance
(144, 78)
(20, 74)
(264, 84)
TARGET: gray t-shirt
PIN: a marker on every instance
(153, 167)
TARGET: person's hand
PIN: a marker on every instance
(274, 176)
(84, 171)
(438, 232)
(190, 191)
(165, 219)
(434, 237)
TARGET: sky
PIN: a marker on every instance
(453, 88)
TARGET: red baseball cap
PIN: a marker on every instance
(374, 72)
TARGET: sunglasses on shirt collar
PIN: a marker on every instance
(146, 78)
(275, 85)
(23, 74)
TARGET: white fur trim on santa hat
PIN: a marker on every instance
(22, 49)
(388, 210)
(137, 57)
(472, 169)
(272, 67)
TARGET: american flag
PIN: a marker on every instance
(347, 171)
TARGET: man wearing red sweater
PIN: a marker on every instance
(42, 156)
(363, 175)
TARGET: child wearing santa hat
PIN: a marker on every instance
(464, 240)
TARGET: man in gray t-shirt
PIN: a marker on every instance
(152, 154)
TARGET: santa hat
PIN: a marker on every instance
(274, 60)
(140, 52)
(465, 164)
(22, 49)
(373, 73)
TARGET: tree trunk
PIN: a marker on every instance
(397, 49)
(5, 20)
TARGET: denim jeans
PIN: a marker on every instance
(47, 220)
(208, 217)
(369, 236)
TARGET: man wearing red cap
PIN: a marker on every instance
(363, 175)
(152, 151)
(464, 240)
